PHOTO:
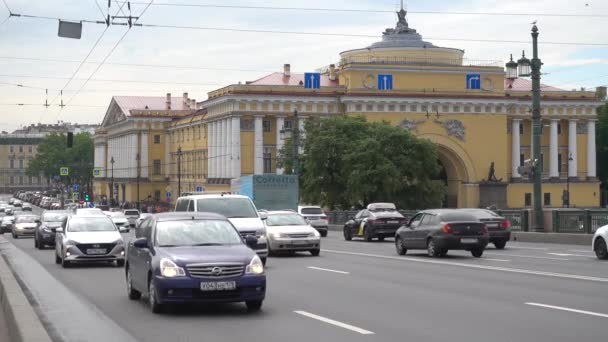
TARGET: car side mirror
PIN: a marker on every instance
(123, 229)
(251, 241)
(140, 243)
(263, 216)
(57, 230)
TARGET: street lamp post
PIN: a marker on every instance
(179, 171)
(567, 194)
(527, 68)
(112, 183)
(138, 175)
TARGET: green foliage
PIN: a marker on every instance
(348, 162)
(602, 143)
(54, 154)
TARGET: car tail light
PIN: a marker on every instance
(506, 224)
(374, 221)
(447, 229)
(403, 222)
(484, 229)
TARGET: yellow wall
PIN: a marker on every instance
(581, 194)
(247, 144)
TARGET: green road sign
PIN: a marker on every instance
(98, 172)
(64, 171)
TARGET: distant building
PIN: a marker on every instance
(60, 127)
(16, 152)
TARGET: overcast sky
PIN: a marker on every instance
(252, 55)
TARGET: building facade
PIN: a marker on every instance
(16, 152)
(479, 119)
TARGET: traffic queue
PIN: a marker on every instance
(213, 248)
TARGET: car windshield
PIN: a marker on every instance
(26, 219)
(457, 217)
(54, 217)
(196, 233)
(285, 220)
(91, 224)
(229, 207)
(312, 211)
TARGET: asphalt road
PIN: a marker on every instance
(357, 291)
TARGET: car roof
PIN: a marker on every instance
(281, 212)
(200, 196)
(188, 215)
(88, 216)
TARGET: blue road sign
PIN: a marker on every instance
(199, 189)
(76, 187)
(312, 80)
(168, 194)
(385, 82)
(91, 205)
(473, 81)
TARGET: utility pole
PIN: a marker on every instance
(138, 175)
(112, 183)
(296, 143)
(536, 122)
(179, 171)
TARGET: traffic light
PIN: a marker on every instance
(86, 197)
(70, 139)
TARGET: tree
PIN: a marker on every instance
(601, 145)
(348, 162)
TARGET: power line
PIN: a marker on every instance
(111, 80)
(47, 105)
(311, 9)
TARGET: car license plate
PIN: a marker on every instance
(299, 242)
(218, 286)
(468, 240)
(96, 251)
(392, 222)
(492, 225)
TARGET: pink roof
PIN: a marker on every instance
(520, 84)
(278, 79)
(128, 103)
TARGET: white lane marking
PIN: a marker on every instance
(336, 323)
(567, 254)
(580, 251)
(503, 260)
(527, 256)
(590, 313)
(491, 268)
(327, 270)
(532, 248)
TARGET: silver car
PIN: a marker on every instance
(132, 215)
(119, 219)
(88, 238)
(7, 223)
(25, 225)
(288, 231)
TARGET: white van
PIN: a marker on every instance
(239, 210)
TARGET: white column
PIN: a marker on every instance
(515, 148)
(572, 164)
(236, 146)
(222, 149)
(280, 142)
(258, 151)
(591, 167)
(229, 156)
(215, 144)
(553, 150)
(210, 150)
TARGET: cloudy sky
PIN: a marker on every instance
(196, 61)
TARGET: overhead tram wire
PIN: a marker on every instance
(312, 9)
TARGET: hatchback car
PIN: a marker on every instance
(499, 228)
(441, 230)
(25, 225)
(193, 258)
(45, 236)
(378, 220)
(315, 217)
(92, 238)
(289, 232)
(600, 239)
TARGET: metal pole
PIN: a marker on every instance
(112, 183)
(138, 175)
(179, 171)
(536, 122)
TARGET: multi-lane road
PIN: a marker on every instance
(357, 291)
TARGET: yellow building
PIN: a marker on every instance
(474, 114)
(16, 152)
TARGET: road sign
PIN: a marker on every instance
(76, 187)
(64, 171)
(312, 80)
(168, 194)
(385, 82)
(98, 172)
(91, 205)
(75, 196)
(199, 189)
(473, 81)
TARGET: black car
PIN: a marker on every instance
(378, 220)
(499, 227)
(440, 230)
(44, 235)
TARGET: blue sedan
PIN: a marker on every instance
(193, 258)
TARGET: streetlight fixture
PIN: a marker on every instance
(112, 183)
(179, 171)
(531, 68)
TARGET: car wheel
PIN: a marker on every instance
(120, 263)
(367, 234)
(323, 233)
(315, 252)
(381, 238)
(432, 249)
(65, 263)
(500, 244)
(444, 253)
(399, 246)
(264, 260)
(601, 251)
(254, 305)
(477, 252)
(152, 300)
(132, 293)
(347, 235)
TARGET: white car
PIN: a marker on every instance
(141, 219)
(86, 239)
(288, 231)
(316, 217)
(7, 223)
(600, 240)
(119, 219)
(132, 215)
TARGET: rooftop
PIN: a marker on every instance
(278, 79)
(159, 103)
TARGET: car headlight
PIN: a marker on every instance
(260, 232)
(119, 242)
(276, 235)
(70, 243)
(18, 226)
(315, 233)
(255, 266)
(169, 269)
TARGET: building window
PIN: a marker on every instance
(12, 149)
(21, 163)
(156, 169)
(467, 109)
(528, 199)
(547, 199)
(358, 107)
(521, 129)
(402, 108)
(456, 109)
(12, 180)
(157, 138)
(391, 108)
(157, 195)
(445, 108)
(247, 125)
(12, 163)
(267, 160)
(20, 149)
(381, 107)
(424, 108)
(369, 107)
(30, 149)
(488, 109)
(521, 159)
(414, 108)
(559, 163)
(287, 125)
(20, 180)
(267, 125)
(32, 180)
(477, 109)
(39, 180)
